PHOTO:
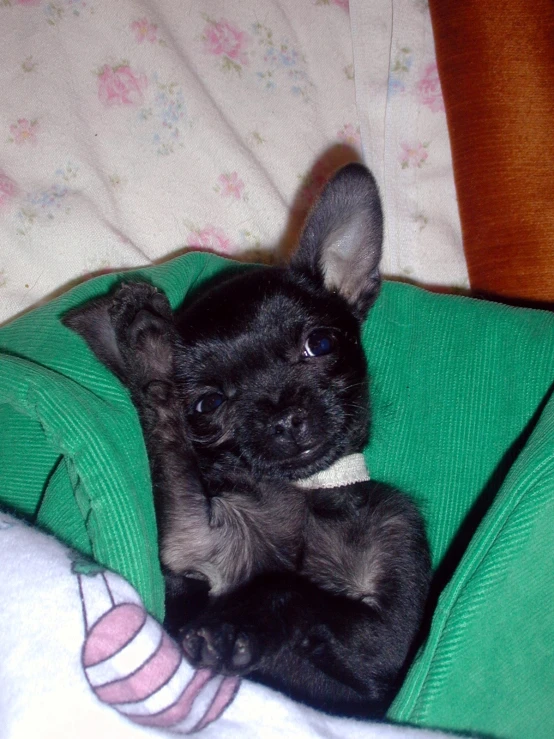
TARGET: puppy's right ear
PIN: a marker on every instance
(340, 247)
(92, 321)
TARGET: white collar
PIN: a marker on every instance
(345, 471)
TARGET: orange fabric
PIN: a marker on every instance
(496, 65)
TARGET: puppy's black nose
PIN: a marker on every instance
(293, 426)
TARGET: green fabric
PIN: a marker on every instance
(462, 420)
(72, 456)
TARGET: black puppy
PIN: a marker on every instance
(254, 404)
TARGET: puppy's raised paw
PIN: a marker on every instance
(136, 309)
(142, 322)
(223, 648)
(122, 328)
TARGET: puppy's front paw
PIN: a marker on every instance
(142, 321)
(223, 648)
(137, 309)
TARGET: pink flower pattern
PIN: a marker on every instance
(24, 131)
(350, 135)
(8, 189)
(223, 39)
(429, 89)
(164, 116)
(145, 31)
(413, 155)
(121, 86)
(211, 238)
(230, 185)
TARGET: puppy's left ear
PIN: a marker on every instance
(340, 246)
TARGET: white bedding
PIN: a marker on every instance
(131, 130)
(81, 659)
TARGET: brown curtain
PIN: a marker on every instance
(496, 64)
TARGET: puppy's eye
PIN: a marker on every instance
(319, 342)
(209, 403)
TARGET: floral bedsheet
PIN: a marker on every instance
(133, 130)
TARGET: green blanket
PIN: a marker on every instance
(462, 420)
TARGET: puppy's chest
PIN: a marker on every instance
(267, 521)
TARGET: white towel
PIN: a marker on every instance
(80, 658)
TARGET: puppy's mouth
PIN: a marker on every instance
(306, 462)
(312, 454)
(306, 455)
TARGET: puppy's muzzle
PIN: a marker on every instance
(292, 431)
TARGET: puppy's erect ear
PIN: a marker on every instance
(94, 324)
(342, 239)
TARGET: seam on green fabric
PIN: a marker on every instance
(35, 392)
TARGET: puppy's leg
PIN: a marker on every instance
(142, 324)
(336, 637)
(372, 552)
(146, 339)
(282, 631)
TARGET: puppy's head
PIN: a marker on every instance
(271, 370)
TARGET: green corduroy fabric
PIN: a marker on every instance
(72, 456)
(462, 420)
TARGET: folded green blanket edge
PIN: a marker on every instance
(487, 665)
(88, 445)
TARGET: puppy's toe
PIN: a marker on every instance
(221, 648)
(242, 652)
(160, 304)
(193, 644)
(145, 326)
(131, 299)
(201, 648)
